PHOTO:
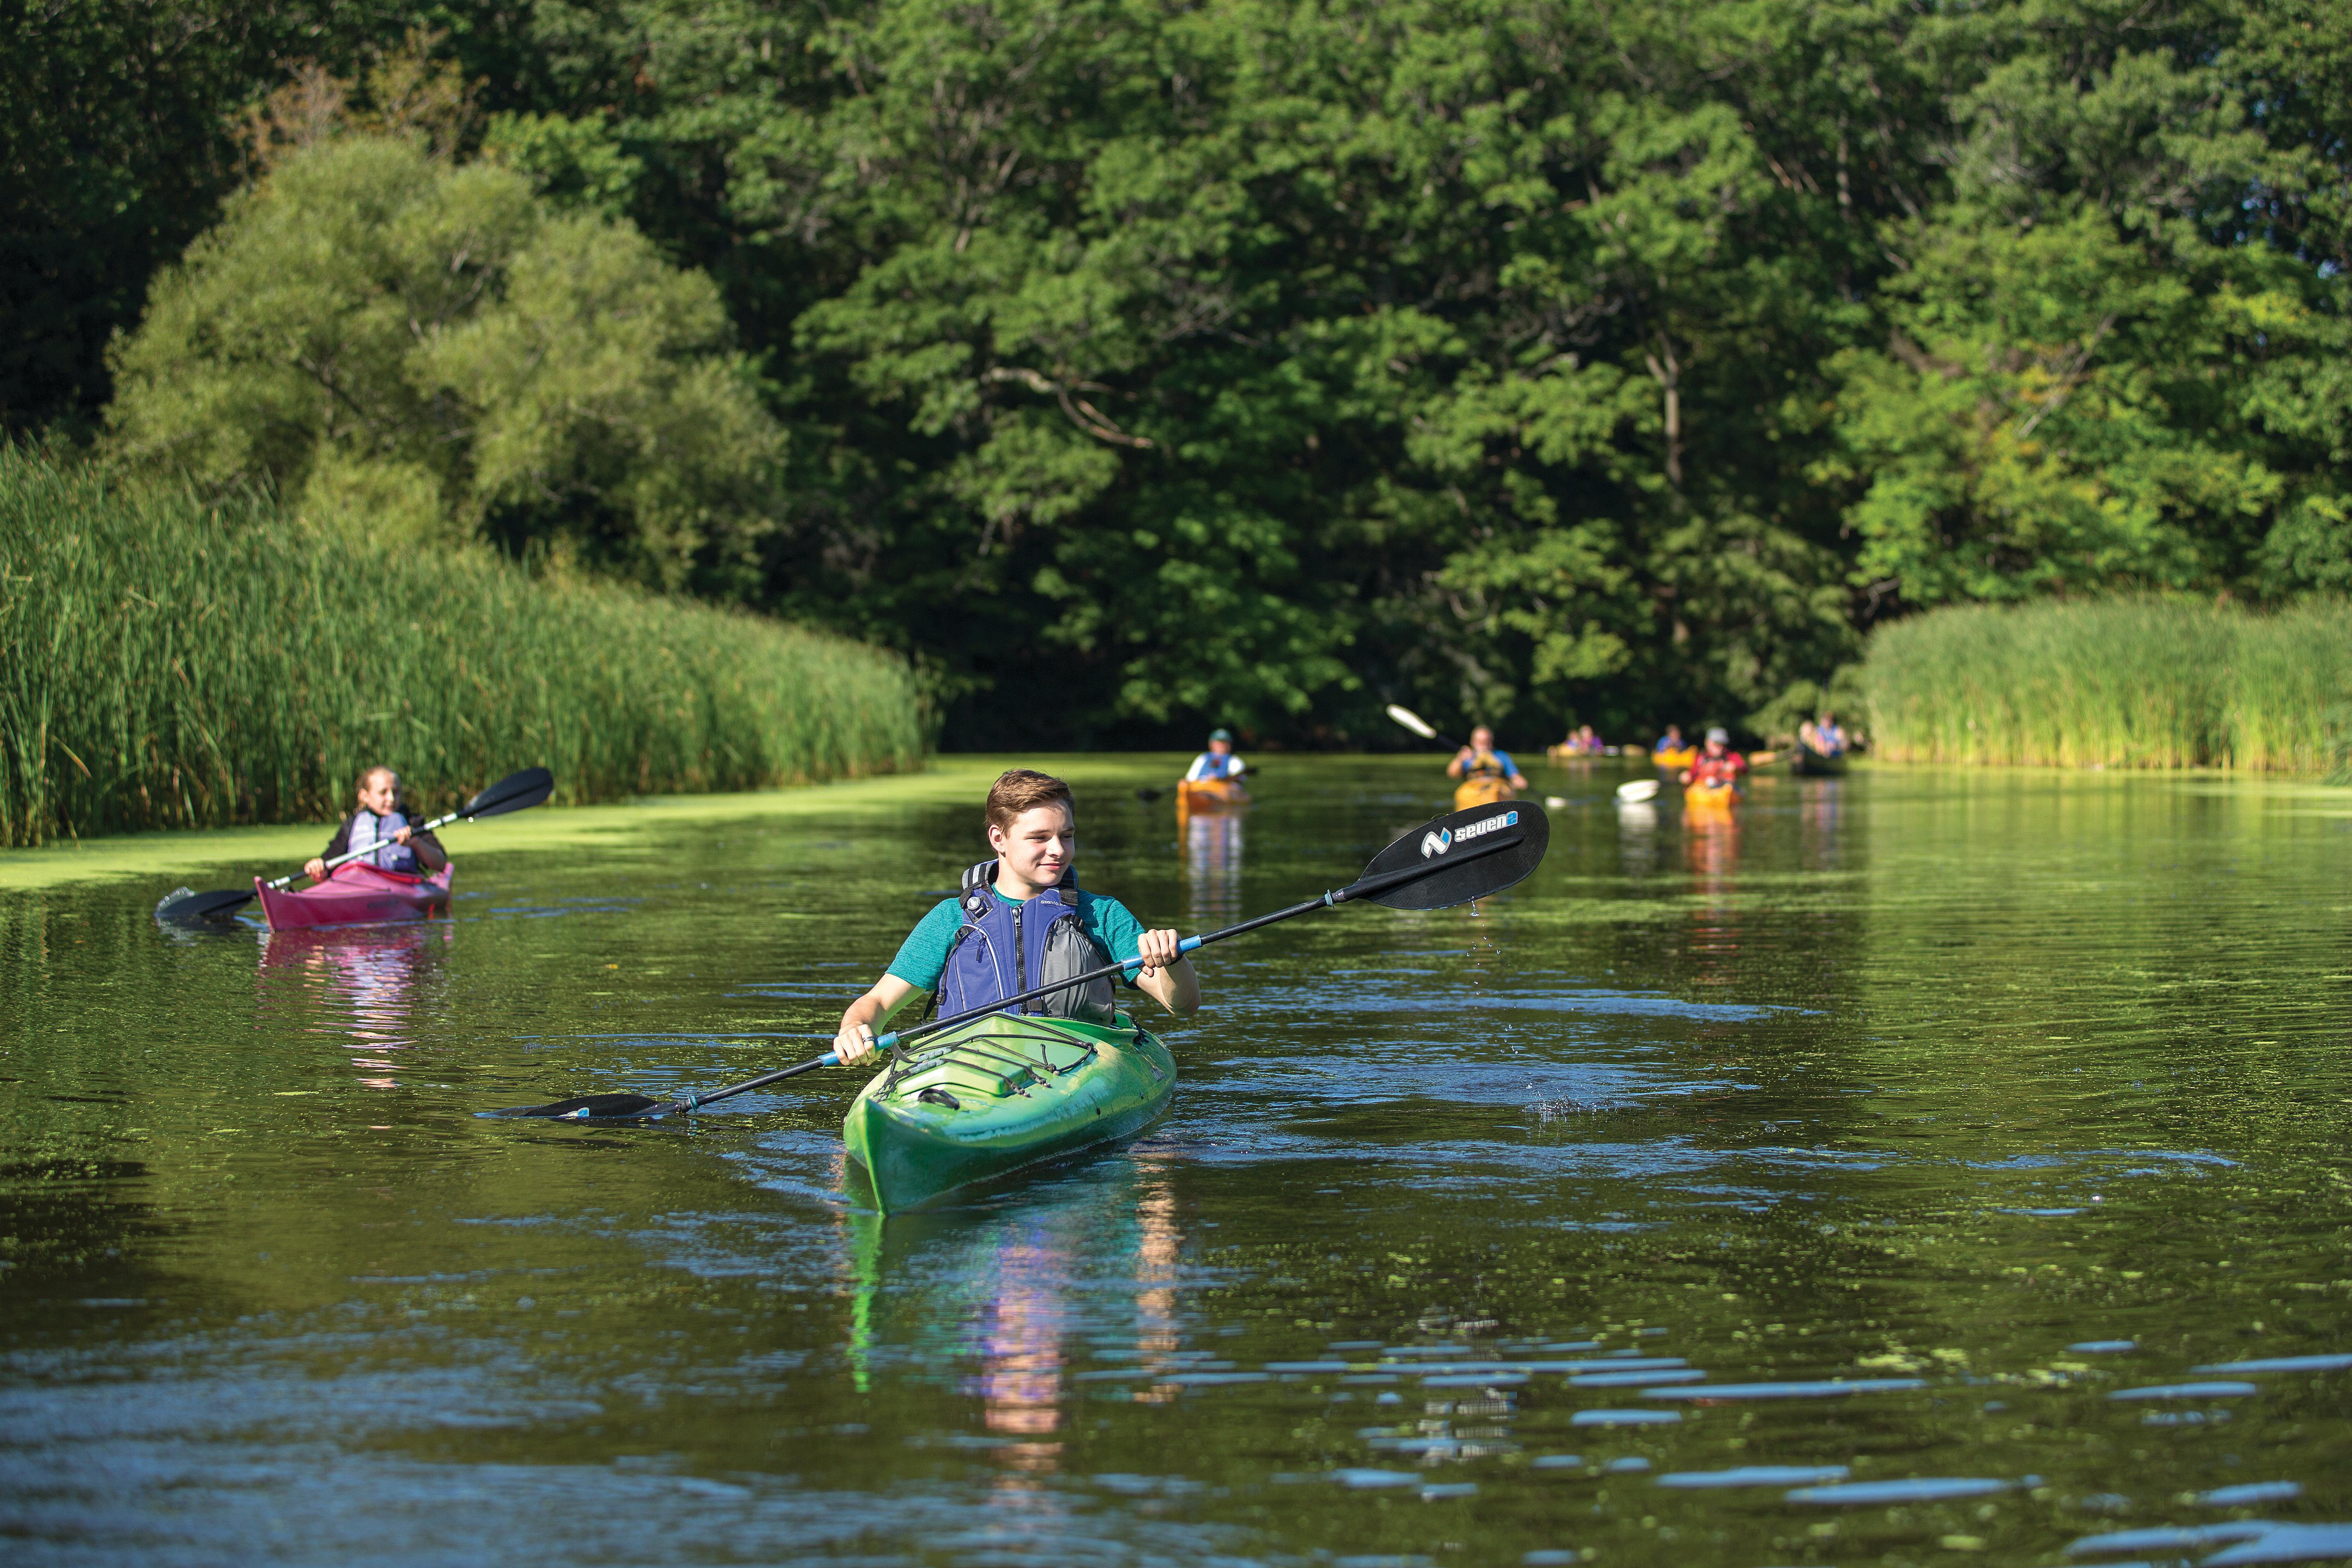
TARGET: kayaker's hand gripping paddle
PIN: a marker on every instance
(513, 793)
(1463, 855)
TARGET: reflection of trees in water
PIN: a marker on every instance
(358, 982)
(1213, 864)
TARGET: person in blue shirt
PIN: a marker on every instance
(1672, 740)
(1482, 758)
(1218, 762)
(1032, 827)
(1825, 738)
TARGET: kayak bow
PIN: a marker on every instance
(356, 895)
(1000, 1093)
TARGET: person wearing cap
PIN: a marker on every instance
(1716, 766)
(1218, 762)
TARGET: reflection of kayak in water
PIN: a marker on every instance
(1210, 794)
(1000, 1093)
(1710, 797)
(356, 895)
(1480, 792)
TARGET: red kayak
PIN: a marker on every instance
(356, 895)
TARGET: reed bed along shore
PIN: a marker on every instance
(2148, 683)
(163, 664)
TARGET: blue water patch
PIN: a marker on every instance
(1755, 1476)
(2113, 1347)
(1624, 1417)
(2188, 1391)
(2250, 1493)
(2166, 1539)
(1926, 1489)
(1833, 1389)
(2283, 1363)
(2288, 1543)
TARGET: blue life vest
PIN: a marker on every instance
(1004, 949)
(1209, 765)
(369, 828)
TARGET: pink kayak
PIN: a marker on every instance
(356, 895)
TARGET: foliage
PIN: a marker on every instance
(163, 664)
(371, 320)
(1148, 364)
(2117, 683)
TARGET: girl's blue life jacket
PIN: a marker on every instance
(367, 827)
(1004, 949)
(1209, 765)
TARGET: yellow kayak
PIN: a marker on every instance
(1196, 796)
(1480, 792)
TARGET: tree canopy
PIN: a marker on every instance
(1144, 363)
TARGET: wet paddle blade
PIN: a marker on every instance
(513, 793)
(1454, 833)
(589, 1108)
(1412, 721)
(1639, 790)
(185, 907)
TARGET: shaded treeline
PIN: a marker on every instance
(1139, 365)
(168, 664)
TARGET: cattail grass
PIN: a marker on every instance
(163, 664)
(2136, 682)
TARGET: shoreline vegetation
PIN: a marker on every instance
(2128, 683)
(168, 664)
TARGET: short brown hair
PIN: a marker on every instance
(1025, 789)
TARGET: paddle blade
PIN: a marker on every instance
(589, 1108)
(1412, 721)
(184, 907)
(1453, 834)
(1639, 790)
(513, 793)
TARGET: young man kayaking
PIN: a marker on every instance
(1218, 762)
(379, 819)
(1021, 921)
(1716, 766)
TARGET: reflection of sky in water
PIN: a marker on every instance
(1886, 1139)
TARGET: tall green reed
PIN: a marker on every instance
(2136, 682)
(163, 664)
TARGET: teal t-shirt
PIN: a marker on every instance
(923, 956)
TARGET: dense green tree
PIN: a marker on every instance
(374, 331)
(1148, 362)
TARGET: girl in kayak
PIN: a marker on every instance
(1218, 762)
(1481, 759)
(379, 819)
(1020, 922)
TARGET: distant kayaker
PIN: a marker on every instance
(1823, 737)
(1021, 922)
(381, 819)
(1218, 762)
(1716, 766)
(1481, 759)
(1672, 740)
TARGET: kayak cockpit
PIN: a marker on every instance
(1013, 1057)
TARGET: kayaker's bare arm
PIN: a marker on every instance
(854, 1042)
(1462, 759)
(1168, 976)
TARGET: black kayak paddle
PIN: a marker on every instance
(515, 791)
(1457, 858)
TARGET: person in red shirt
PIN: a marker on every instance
(1718, 766)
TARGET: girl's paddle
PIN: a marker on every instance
(1463, 855)
(513, 793)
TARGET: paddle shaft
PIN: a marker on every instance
(1361, 887)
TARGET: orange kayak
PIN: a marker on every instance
(1210, 794)
(356, 895)
(1710, 797)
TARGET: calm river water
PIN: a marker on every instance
(1919, 1169)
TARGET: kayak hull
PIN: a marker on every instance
(1480, 792)
(1000, 1094)
(1675, 761)
(356, 895)
(1195, 796)
(1710, 797)
(1806, 762)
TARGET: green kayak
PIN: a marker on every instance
(1000, 1093)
